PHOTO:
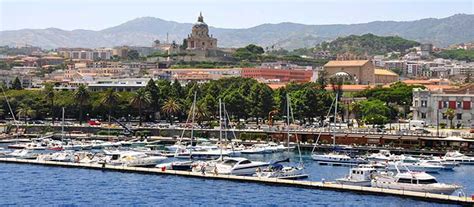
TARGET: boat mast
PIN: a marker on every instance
(192, 122)
(288, 121)
(62, 126)
(335, 121)
(220, 127)
(11, 112)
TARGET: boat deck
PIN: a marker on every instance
(430, 197)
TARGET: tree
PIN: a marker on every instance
(209, 102)
(155, 96)
(171, 107)
(82, 96)
(49, 95)
(109, 99)
(140, 99)
(16, 85)
(355, 109)
(450, 114)
(322, 80)
(261, 100)
(374, 112)
(25, 111)
(133, 55)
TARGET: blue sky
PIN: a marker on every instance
(100, 14)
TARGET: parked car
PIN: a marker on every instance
(94, 122)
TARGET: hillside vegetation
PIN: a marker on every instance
(368, 44)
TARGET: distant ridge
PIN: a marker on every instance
(142, 31)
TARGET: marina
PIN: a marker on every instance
(317, 177)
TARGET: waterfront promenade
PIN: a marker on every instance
(269, 181)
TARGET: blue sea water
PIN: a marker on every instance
(35, 185)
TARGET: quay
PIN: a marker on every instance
(430, 197)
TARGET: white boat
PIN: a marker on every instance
(23, 154)
(337, 159)
(413, 181)
(239, 166)
(456, 156)
(447, 165)
(281, 172)
(254, 150)
(180, 166)
(382, 155)
(414, 166)
(359, 176)
(133, 159)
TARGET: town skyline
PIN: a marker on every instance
(233, 15)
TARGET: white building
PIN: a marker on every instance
(431, 106)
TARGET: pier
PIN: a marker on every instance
(430, 197)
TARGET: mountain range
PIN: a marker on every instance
(143, 31)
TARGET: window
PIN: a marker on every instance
(429, 181)
(458, 104)
(445, 104)
(404, 180)
(459, 116)
(245, 162)
(423, 115)
(416, 103)
(424, 103)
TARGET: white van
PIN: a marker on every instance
(417, 123)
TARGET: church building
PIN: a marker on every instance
(199, 39)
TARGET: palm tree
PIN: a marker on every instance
(201, 113)
(140, 99)
(170, 108)
(450, 114)
(109, 99)
(49, 94)
(81, 95)
(26, 111)
(355, 109)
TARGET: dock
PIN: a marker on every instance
(430, 197)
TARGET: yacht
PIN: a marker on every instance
(337, 159)
(382, 156)
(23, 154)
(133, 159)
(239, 166)
(413, 181)
(281, 172)
(456, 156)
(414, 166)
(177, 165)
(359, 176)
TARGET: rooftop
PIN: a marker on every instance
(346, 63)
(378, 71)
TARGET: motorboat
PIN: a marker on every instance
(382, 156)
(414, 166)
(99, 144)
(177, 165)
(23, 154)
(239, 166)
(282, 172)
(413, 181)
(359, 176)
(133, 159)
(63, 156)
(337, 159)
(456, 156)
(255, 149)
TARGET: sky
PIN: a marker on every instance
(101, 14)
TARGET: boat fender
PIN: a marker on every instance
(163, 168)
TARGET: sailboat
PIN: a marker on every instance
(335, 158)
(277, 170)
